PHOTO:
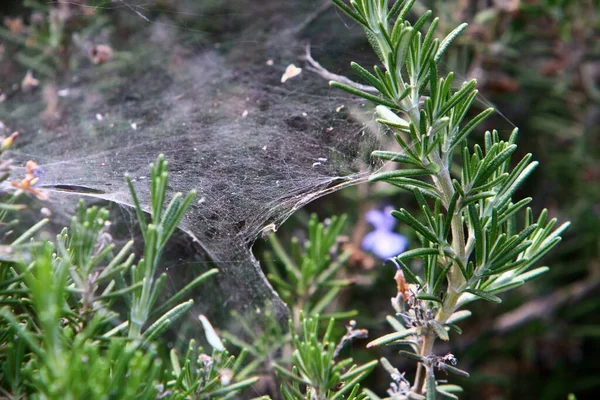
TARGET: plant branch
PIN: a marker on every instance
(317, 68)
(427, 118)
(443, 182)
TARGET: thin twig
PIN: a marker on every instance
(314, 66)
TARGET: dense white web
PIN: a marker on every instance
(254, 149)
(200, 81)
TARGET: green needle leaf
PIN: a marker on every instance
(364, 95)
(484, 295)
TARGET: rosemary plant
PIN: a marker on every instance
(306, 276)
(155, 235)
(317, 374)
(206, 377)
(61, 304)
(311, 267)
(472, 246)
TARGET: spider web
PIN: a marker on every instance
(254, 149)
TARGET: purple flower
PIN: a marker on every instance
(39, 174)
(383, 241)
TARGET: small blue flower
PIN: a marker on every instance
(383, 241)
(39, 173)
